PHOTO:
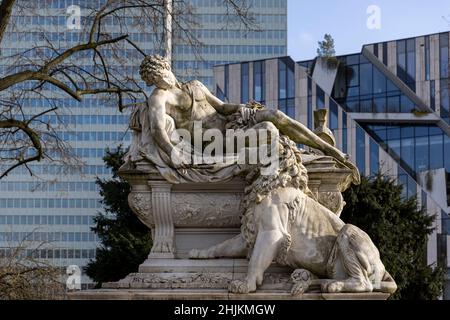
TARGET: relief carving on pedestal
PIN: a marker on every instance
(141, 204)
(215, 210)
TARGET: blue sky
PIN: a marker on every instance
(346, 20)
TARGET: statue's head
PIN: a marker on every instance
(156, 70)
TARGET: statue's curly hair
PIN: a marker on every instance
(152, 67)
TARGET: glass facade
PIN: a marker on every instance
(224, 41)
(409, 184)
(445, 100)
(433, 95)
(406, 62)
(258, 81)
(361, 149)
(417, 147)
(333, 117)
(444, 76)
(320, 98)
(374, 157)
(286, 87)
(245, 83)
(427, 58)
(309, 105)
(344, 133)
(367, 89)
(443, 55)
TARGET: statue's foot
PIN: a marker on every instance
(241, 287)
(201, 254)
(333, 287)
(345, 160)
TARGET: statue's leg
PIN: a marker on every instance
(360, 260)
(297, 132)
(232, 248)
(301, 134)
(265, 250)
(266, 247)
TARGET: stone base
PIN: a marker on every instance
(214, 294)
(185, 279)
(198, 274)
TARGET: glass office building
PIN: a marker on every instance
(58, 207)
(387, 107)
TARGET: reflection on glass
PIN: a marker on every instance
(360, 149)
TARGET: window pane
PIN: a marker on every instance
(445, 100)
(379, 82)
(406, 104)
(258, 80)
(290, 108)
(393, 104)
(393, 140)
(411, 61)
(282, 106)
(379, 105)
(422, 155)
(444, 55)
(360, 150)
(407, 151)
(366, 105)
(244, 83)
(436, 151)
(333, 116)
(291, 83)
(353, 76)
(401, 59)
(366, 79)
(320, 98)
(374, 158)
(403, 181)
(282, 80)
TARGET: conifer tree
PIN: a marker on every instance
(125, 241)
(400, 231)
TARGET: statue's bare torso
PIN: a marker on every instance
(189, 104)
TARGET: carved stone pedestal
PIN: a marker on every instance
(197, 216)
(183, 216)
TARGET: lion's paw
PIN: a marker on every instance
(333, 287)
(299, 289)
(239, 286)
(302, 280)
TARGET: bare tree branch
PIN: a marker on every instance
(5, 14)
(108, 72)
(35, 140)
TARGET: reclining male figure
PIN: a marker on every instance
(191, 102)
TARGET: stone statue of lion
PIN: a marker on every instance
(282, 221)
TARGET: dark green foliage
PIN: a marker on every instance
(125, 241)
(326, 47)
(400, 231)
